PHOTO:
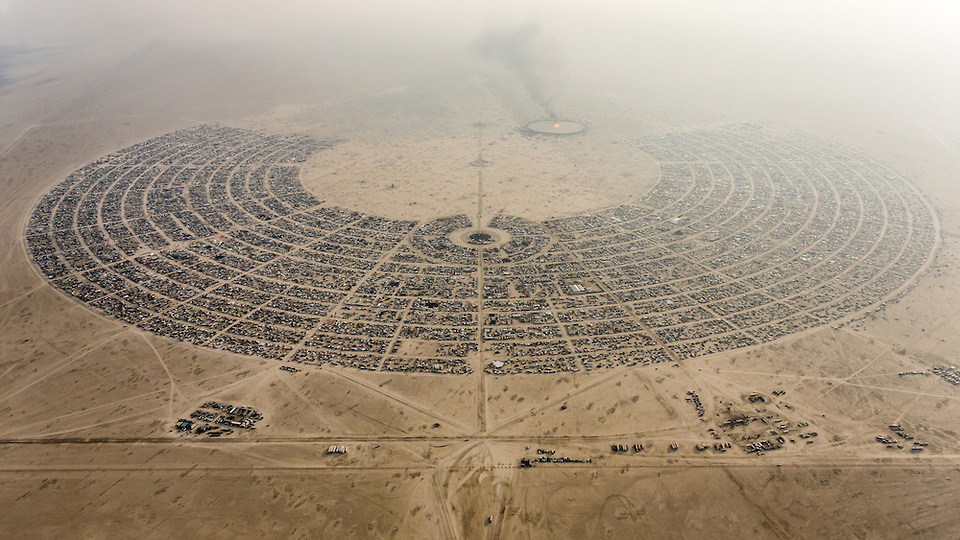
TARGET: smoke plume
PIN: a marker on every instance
(530, 55)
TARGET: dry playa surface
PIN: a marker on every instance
(88, 403)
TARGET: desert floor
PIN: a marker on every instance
(87, 404)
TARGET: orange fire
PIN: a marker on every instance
(556, 125)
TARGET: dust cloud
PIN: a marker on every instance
(736, 59)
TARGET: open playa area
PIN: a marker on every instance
(491, 281)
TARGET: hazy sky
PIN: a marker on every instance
(880, 28)
(892, 51)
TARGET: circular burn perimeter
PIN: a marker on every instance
(556, 127)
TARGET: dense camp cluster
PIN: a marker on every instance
(206, 235)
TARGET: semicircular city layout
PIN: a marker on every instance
(206, 235)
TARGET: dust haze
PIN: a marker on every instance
(876, 58)
(419, 111)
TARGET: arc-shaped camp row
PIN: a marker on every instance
(206, 236)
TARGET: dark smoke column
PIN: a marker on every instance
(526, 52)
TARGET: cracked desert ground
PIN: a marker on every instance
(88, 402)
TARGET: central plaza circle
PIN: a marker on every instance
(481, 238)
